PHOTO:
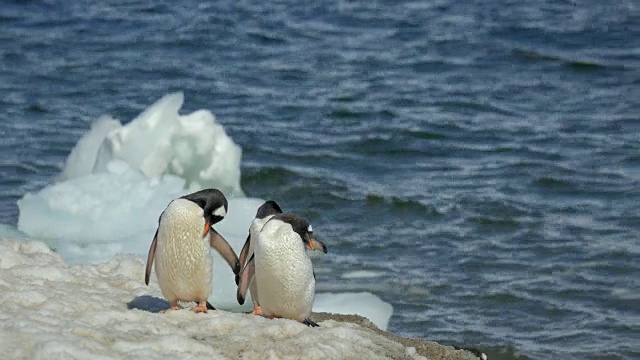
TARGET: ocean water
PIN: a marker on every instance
(476, 165)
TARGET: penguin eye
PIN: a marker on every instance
(221, 212)
(310, 229)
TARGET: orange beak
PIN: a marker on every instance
(317, 245)
(207, 226)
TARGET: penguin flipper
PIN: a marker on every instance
(245, 279)
(150, 257)
(310, 322)
(242, 258)
(222, 246)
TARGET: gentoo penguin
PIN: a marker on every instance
(284, 273)
(181, 248)
(265, 212)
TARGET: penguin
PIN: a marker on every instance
(180, 248)
(265, 212)
(284, 273)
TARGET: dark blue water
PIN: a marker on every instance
(483, 158)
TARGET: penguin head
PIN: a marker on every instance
(302, 227)
(267, 209)
(213, 203)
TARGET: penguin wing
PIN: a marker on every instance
(243, 256)
(245, 279)
(152, 254)
(222, 246)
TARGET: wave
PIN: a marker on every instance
(398, 205)
(342, 113)
(573, 64)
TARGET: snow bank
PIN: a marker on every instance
(104, 311)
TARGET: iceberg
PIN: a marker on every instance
(160, 141)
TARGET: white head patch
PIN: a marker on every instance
(310, 229)
(220, 212)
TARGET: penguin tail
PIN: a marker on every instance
(209, 306)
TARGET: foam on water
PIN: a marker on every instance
(362, 274)
(118, 180)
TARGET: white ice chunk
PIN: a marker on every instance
(362, 303)
(83, 156)
(160, 141)
(203, 154)
(118, 179)
(145, 143)
(108, 207)
(10, 232)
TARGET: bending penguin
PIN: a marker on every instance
(284, 273)
(180, 248)
(265, 212)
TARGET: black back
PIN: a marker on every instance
(268, 208)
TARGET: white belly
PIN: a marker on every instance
(284, 273)
(183, 262)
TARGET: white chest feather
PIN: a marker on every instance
(183, 262)
(284, 272)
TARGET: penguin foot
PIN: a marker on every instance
(310, 322)
(256, 310)
(173, 305)
(201, 308)
(172, 308)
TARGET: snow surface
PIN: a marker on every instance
(51, 310)
(118, 180)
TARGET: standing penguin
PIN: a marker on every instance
(181, 248)
(265, 212)
(286, 282)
